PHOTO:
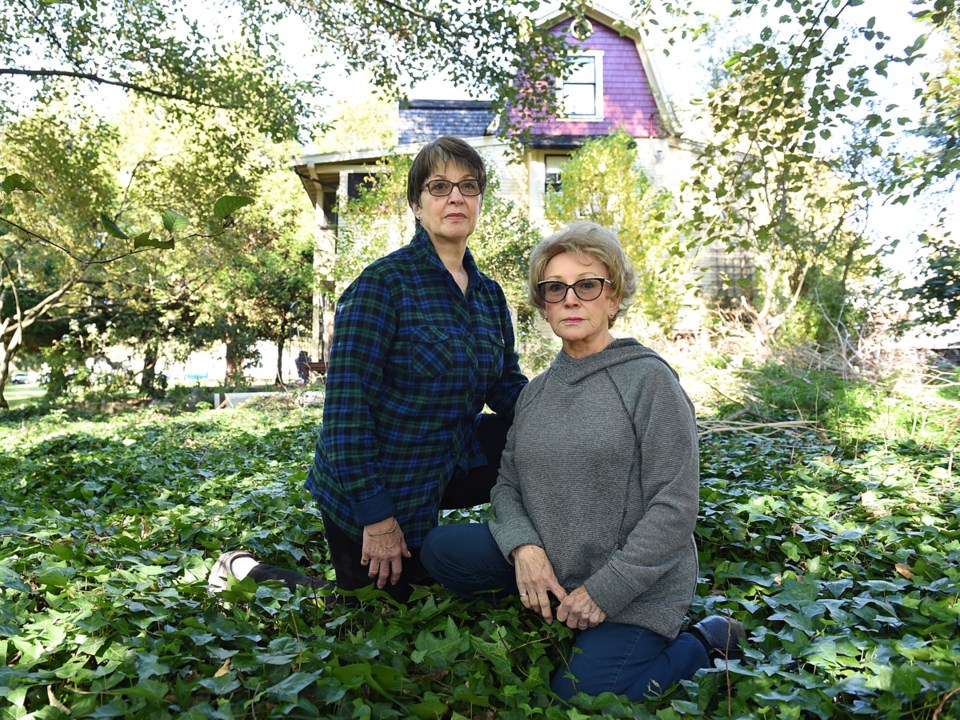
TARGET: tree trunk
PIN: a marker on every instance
(11, 341)
(12, 327)
(281, 341)
(234, 370)
(5, 360)
(149, 374)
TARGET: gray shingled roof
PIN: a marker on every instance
(425, 120)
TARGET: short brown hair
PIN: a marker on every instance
(586, 238)
(438, 154)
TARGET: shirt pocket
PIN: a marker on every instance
(489, 354)
(430, 353)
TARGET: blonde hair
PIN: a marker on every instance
(586, 238)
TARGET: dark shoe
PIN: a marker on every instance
(721, 637)
(291, 578)
(221, 570)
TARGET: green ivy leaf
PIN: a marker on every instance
(292, 684)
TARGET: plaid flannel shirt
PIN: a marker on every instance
(413, 362)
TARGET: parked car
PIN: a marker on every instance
(20, 378)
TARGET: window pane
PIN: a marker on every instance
(553, 164)
(579, 99)
(582, 71)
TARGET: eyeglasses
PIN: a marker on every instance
(554, 291)
(442, 188)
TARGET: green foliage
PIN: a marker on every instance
(237, 272)
(826, 314)
(948, 384)
(940, 105)
(604, 182)
(85, 257)
(803, 143)
(489, 45)
(936, 300)
(195, 61)
(818, 395)
(374, 223)
(157, 48)
(501, 246)
(840, 559)
(379, 221)
(856, 410)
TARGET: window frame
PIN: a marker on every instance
(598, 115)
(556, 186)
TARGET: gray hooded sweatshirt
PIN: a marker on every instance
(601, 470)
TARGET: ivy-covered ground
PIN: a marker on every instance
(838, 548)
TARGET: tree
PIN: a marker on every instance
(802, 143)
(228, 74)
(41, 268)
(73, 250)
(264, 286)
(162, 49)
(939, 98)
(936, 298)
(604, 182)
(189, 58)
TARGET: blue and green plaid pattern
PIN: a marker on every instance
(413, 362)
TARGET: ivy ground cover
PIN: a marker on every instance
(842, 559)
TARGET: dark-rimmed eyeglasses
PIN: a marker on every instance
(442, 188)
(554, 291)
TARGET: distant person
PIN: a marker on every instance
(595, 507)
(303, 366)
(422, 342)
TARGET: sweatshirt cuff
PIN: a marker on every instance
(512, 534)
(609, 590)
(374, 509)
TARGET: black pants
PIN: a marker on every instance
(465, 490)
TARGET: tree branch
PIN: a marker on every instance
(69, 253)
(125, 84)
(439, 22)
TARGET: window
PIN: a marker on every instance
(358, 182)
(581, 91)
(553, 167)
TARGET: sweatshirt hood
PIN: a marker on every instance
(572, 370)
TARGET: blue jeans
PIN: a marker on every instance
(623, 659)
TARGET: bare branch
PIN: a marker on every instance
(439, 22)
(94, 260)
(125, 84)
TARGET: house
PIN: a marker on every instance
(614, 85)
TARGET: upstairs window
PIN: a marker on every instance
(581, 90)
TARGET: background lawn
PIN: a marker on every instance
(20, 395)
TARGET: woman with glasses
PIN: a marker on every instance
(594, 510)
(422, 341)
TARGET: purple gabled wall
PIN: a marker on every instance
(627, 99)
